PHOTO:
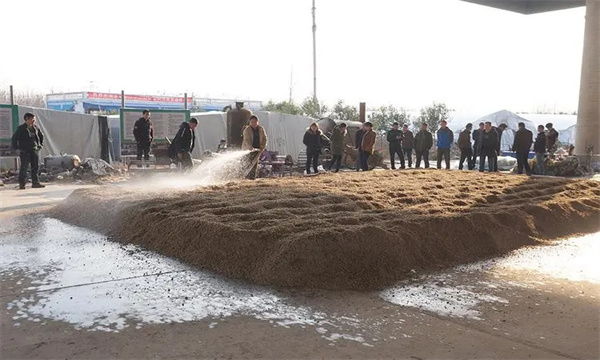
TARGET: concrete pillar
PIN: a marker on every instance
(362, 112)
(588, 115)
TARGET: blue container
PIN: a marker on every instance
(531, 155)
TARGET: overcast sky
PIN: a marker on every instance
(402, 52)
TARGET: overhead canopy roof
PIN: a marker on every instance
(530, 6)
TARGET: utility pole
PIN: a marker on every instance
(291, 83)
(314, 30)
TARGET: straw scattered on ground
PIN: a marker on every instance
(341, 231)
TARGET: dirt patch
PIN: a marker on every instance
(341, 231)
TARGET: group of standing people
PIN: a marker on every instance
(487, 140)
(483, 143)
(545, 142)
(315, 141)
(486, 145)
(401, 143)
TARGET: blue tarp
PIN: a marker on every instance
(531, 154)
(107, 106)
(61, 105)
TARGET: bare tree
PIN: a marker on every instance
(25, 98)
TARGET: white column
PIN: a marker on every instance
(588, 115)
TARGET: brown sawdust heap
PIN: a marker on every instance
(342, 231)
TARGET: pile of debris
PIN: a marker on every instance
(89, 170)
(562, 164)
(566, 166)
(70, 167)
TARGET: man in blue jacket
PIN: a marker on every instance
(445, 138)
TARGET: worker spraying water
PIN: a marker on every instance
(218, 167)
(255, 141)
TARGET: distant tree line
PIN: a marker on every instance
(315, 109)
(382, 117)
(25, 98)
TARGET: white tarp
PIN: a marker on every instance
(567, 136)
(67, 132)
(512, 120)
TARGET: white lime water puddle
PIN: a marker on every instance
(574, 259)
(452, 294)
(79, 277)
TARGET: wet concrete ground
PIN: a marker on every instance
(69, 292)
(14, 202)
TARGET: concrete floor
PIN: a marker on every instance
(68, 292)
(14, 201)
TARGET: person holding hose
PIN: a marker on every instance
(254, 139)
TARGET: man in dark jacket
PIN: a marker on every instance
(477, 140)
(408, 142)
(313, 139)
(358, 138)
(540, 150)
(488, 147)
(551, 138)
(522, 145)
(464, 144)
(180, 150)
(423, 144)
(28, 140)
(499, 130)
(394, 138)
(143, 132)
(445, 138)
(338, 135)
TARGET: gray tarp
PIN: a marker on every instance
(67, 132)
(114, 123)
(212, 127)
(285, 132)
